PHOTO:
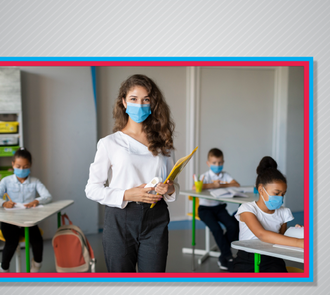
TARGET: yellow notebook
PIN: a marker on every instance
(177, 168)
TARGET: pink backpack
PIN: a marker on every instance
(73, 253)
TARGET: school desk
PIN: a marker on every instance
(30, 217)
(205, 194)
(261, 248)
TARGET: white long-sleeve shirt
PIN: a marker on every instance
(125, 163)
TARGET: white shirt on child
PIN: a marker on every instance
(124, 163)
(209, 177)
(270, 222)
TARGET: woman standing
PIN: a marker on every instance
(140, 149)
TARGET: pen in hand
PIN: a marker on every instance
(10, 203)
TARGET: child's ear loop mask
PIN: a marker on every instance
(274, 202)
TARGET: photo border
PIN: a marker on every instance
(306, 62)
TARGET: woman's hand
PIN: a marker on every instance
(298, 225)
(165, 188)
(140, 194)
(32, 204)
(8, 204)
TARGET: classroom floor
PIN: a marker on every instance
(176, 262)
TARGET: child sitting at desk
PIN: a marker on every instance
(212, 211)
(22, 188)
(265, 219)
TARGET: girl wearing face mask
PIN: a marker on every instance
(135, 236)
(22, 188)
(265, 219)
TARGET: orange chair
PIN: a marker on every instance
(294, 269)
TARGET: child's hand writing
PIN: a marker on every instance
(165, 188)
(8, 204)
(32, 204)
(217, 183)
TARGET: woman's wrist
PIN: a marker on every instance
(171, 190)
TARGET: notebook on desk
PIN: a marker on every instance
(20, 206)
(228, 192)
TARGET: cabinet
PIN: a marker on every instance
(11, 123)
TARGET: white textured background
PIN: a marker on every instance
(185, 28)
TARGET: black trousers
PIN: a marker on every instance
(211, 217)
(244, 262)
(12, 233)
(136, 235)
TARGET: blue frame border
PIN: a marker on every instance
(172, 59)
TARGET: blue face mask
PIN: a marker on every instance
(216, 169)
(138, 112)
(22, 173)
(274, 202)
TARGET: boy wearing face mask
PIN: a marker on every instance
(211, 212)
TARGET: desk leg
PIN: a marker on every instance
(27, 249)
(257, 259)
(59, 219)
(193, 242)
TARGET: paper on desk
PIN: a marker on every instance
(228, 192)
(246, 189)
(20, 206)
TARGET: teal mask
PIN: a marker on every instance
(138, 112)
(274, 202)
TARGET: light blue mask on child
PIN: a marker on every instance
(216, 169)
(138, 112)
(22, 173)
(274, 202)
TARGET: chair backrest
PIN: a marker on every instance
(2, 237)
(196, 207)
(293, 269)
(21, 238)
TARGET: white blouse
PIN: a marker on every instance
(124, 163)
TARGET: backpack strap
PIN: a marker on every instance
(90, 250)
(91, 253)
(63, 219)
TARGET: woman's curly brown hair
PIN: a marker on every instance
(159, 126)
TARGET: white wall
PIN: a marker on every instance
(172, 83)
(295, 140)
(59, 121)
(236, 116)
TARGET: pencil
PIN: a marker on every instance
(8, 197)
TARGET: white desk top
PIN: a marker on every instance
(30, 217)
(256, 246)
(206, 195)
